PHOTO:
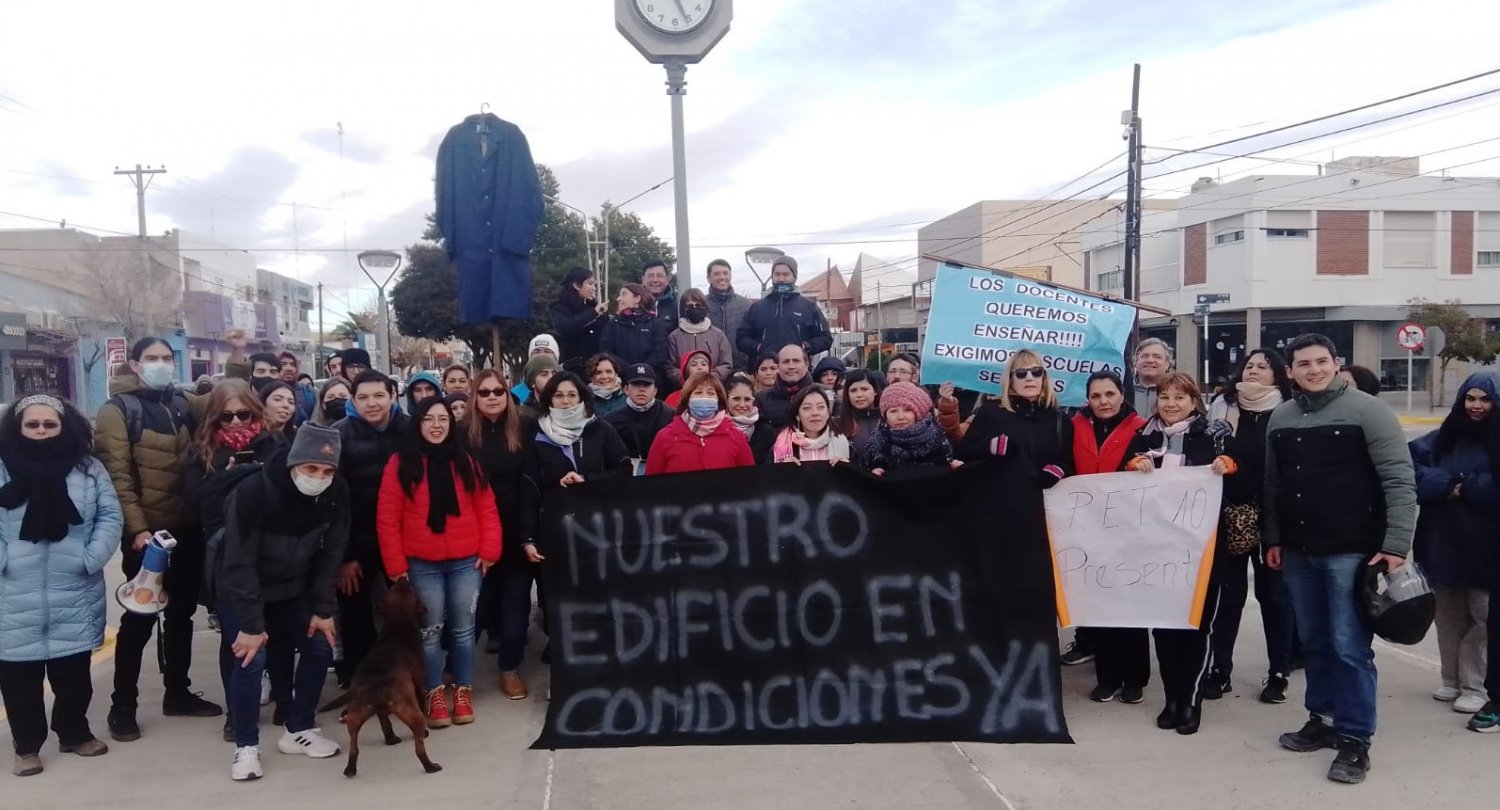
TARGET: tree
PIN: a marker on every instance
(632, 243)
(1465, 337)
(359, 322)
(130, 289)
(425, 298)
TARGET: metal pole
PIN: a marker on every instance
(1409, 379)
(385, 314)
(879, 331)
(1132, 186)
(318, 354)
(677, 88)
(609, 212)
(1205, 346)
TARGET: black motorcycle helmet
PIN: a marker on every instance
(1399, 606)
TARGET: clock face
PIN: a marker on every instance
(674, 16)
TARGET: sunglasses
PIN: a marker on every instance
(228, 417)
(1023, 373)
(490, 392)
(47, 425)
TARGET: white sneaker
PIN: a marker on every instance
(1468, 704)
(310, 743)
(246, 764)
(265, 688)
(1447, 694)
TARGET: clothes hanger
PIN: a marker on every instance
(482, 127)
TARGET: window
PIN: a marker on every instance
(1286, 233)
(1113, 280)
(1229, 237)
(1409, 239)
(1489, 258)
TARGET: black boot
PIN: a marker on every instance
(1189, 719)
(1170, 716)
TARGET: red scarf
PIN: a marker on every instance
(237, 439)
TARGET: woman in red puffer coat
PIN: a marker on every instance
(702, 437)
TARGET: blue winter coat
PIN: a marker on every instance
(52, 594)
(489, 206)
(1458, 541)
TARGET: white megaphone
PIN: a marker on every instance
(146, 593)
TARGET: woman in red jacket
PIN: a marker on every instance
(702, 437)
(439, 529)
(1102, 433)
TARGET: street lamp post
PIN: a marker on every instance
(588, 242)
(609, 213)
(388, 262)
(766, 256)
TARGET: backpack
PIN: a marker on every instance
(134, 412)
(213, 547)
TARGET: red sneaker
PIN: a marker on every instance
(437, 708)
(463, 705)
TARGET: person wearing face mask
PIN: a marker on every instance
(907, 437)
(605, 387)
(1022, 424)
(643, 416)
(333, 399)
(1246, 406)
(634, 334)
(726, 308)
(1102, 433)
(142, 435)
(792, 378)
(696, 333)
(1455, 542)
(1181, 435)
(60, 523)
(693, 362)
(746, 417)
(810, 434)
(783, 318)
(578, 317)
(858, 413)
(439, 528)
(702, 437)
(285, 530)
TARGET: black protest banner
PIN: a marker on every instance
(784, 604)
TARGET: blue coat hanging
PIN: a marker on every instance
(489, 206)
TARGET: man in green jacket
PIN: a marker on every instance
(1340, 496)
(142, 435)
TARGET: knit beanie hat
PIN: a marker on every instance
(905, 395)
(314, 445)
(355, 357)
(542, 343)
(791, 264)
(536, 365)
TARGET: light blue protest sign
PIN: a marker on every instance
(978, 319)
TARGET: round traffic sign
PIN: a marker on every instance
(1411, 336)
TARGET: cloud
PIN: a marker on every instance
(355, 147)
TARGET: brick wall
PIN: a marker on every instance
(1462, 261)
(1343, 243)
(1195, 254)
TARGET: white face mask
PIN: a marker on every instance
(311, 487)
(158, 374)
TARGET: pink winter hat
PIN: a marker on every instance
(905, 395)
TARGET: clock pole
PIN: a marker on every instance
(677, 88)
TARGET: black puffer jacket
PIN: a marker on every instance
(577, 325)
(638, 429)
(638, 337)
(362, 460)
(781, 319)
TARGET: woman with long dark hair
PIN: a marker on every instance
(279, 406)
(1246, 405)
(810, 434)
(439, 528)
(333, 402)
(498, 442)
(634, 333)
(60, 523)
(578, 317)
(858, 413)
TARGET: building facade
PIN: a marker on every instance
(1344, 253)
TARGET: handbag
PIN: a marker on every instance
(1242, 528)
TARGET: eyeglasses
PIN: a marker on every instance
(47, 425)
(1023, 373)
(229, 417)
(490, 392)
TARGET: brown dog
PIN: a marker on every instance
(390, 680)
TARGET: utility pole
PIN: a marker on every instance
(141, 178)
(1132, 120)
(318, 354)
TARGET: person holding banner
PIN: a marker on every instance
(702, 437)
(1181, 435)
(1102, 434)
(1246, 406)
(811, 435)
(1023, 423)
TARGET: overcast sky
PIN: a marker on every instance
(824, 127)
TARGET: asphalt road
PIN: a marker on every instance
(1423, 758)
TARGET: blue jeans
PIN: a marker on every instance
(1336, 643)
(286, 624)
(1275, 615)
(449, 591)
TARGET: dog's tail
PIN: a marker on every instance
(341, 700)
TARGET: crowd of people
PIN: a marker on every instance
(294, 507)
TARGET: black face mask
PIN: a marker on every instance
(695, 314)
(333, 409)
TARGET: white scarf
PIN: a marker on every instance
(564, 426)
(694, 328)
(1171, 456)
(746, 424)
(1257, 398)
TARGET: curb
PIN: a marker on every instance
(1420, 420)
